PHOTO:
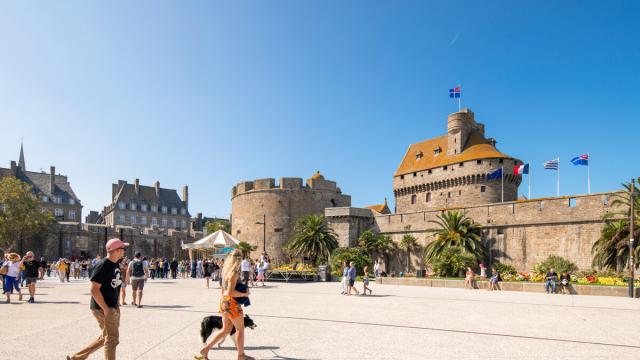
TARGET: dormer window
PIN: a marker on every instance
(72, 202)
(174, 211)
(164, 211)
(143, 207)
(183, 211)
(419, 155)
(154, 208)
(45, 199)
(133, 206)
(437, 151)
(122, 205)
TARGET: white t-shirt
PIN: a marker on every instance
(14, 268)
(145, 267)
(245, 265)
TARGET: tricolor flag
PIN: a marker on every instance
(521, 169)
(581, 160)
(455, 92)
(552, 164)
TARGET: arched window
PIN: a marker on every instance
(413, 199)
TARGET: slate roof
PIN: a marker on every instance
(40, 183)
(147, 194)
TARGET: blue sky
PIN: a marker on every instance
(211, 93)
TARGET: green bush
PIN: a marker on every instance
(452, 261)
(356, 254)
(505, 269)
(559, 263)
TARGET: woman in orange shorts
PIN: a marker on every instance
(232, 315)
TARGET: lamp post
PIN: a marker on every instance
(264, 232)
(631, 239)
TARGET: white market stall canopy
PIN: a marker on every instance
(218, 240)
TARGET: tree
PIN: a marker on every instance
(456, 230)
(452, 261)
(611, 250)
(21, 215)
(356, 254)
(385, 246)
(213, 226)
(245, 247)
(313, 238)
(368, 241)
(378, 244)
(408, 243)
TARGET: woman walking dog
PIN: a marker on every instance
(230, 308)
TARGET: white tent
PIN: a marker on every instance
(217, 240)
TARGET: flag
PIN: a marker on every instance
(455, 92)
(495, 174)
(581, 160)
(551, 164)
(520, 170)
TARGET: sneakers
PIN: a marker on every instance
(31, 301)
(139, 306)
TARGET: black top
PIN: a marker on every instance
(107, 273)
(31, 268)
(552, 275)
(43, 263)
(565, 277)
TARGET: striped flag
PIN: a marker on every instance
(552, 164)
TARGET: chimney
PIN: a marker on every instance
(185, 196)
(52, 180)
(158, 188)
(137, 186)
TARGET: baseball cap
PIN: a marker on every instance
(115, 244)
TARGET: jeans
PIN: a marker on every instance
(110, 337)
(550, 284)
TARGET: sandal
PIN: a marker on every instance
(247, 357)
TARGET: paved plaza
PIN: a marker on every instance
(312, 321)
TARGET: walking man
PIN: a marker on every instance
(245, 267)
(43, 267)
(352, 278)
(137, 272)
(31, 274)
(105, 288)
(174, 268)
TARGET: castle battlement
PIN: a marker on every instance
(316, 182)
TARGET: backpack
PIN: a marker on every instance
(138, 269)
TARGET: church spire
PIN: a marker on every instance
(21, 163)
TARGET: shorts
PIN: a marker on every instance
(351, 282)
(137, 285)
(31, 280)
(11, 283)
(229, 306)
(365, 281)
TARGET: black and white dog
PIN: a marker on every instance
(209, 323)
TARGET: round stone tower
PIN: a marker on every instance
(265, 212)
(452, 170)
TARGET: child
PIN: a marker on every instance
(261, 269)
(365, 281)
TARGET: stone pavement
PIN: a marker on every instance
(312, 321)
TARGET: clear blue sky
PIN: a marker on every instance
(211, 93)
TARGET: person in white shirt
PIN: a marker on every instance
(245, 267)
(13, 265)
(137, 273)
(376, 269)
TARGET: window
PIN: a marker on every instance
(122, 205)
(461, 164)
(57, 199)
(572, 202)
(429, 172)
(500, 161)
(277, 230)
(478, 162)
(132, 218)
(500, 231)
(45, 199)
(483, 188)
(444, 168)
(183, 224)
(72, 202)
(143, 207)
(183, 211)
(415, 174)
(449, 194)
(419, 155)
(164, 209)
(173, 223)
(121, 219)
(459, 192)
(428, 196)
(143, 220)
(58, 212)
(72, 214)
(154, 208)
(174, 211)
(154, 221)
(413, 199)
(164, 222)
(605, 200)
(133, 206)
(401, 177)
(437, 151)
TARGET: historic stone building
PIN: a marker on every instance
(263, 211)
(54, 190)
(143, 207)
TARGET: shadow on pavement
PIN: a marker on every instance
(58, 302)
(165, 306)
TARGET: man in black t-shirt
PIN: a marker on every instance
(31, 272)
(106, 279)
(43, 267)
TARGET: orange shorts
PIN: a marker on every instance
(229, 306)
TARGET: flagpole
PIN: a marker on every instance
(459, 98)
(558, 185)
(588, 173)
(502, 183)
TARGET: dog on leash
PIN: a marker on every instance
(209, 323)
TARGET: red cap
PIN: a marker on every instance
(115, 244)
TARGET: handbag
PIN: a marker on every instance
(4, 270)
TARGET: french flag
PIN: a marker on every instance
(521, 169)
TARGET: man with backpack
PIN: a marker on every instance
(137, 272)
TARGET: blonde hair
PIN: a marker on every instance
(231, 266)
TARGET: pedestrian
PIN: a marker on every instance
(365, 281)
(11, 268)
(43, 267)
(352, 278)
(123, 263)
(68, 271)
(261, 270)
(153, 268)
(31, 274)
(495, 278)
(551, 279)
(252, 273)
(207, 271)
(245, 266)
(194, 269)
(345, 278)
(61, 268)
(138, 272)
(483, 271)
(165, 269)
(376, 269)
(231, 310)
(469, 279)
(84, 264)
(105, 288)
(174, 268)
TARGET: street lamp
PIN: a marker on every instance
(264, 232)
(631, 239)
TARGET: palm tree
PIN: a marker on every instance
(216, 225)
(456, 230)
(611, 250)
(312, 237)
(245, 247)
(385, 246)
(408, 243)
(368, 241)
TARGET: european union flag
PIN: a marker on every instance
(495, 174)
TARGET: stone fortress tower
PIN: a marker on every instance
(279, 206)
(451, 170)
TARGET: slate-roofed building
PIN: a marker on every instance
(54, 190)
(147, 206)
